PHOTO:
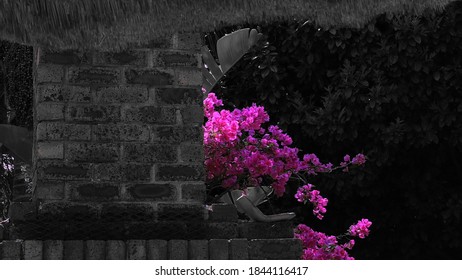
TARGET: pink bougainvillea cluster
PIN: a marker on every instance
(319, 246)
(242, 151)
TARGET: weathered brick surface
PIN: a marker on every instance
(178, 96)
(151, 115)
(128, 211)
(115, 250)
(193, 192)
(95, 250)
(275, 249)
(192, 115)
(150, 153)
(191, 153)
(223, 213)
(151, 77)
(119, 138)
(177, 249)
(10, 250)
(67, 57)
(136, 249)
(220, 230)
(121, 132)
(60, 170)
(93, 76)
(67, 211)
(127, 57)
(189, 77)
(170, 134)
(175, 58)
(50, 150)
(93, 113)
(122, 94)
(62, 131)
(154, 192)
(122, 172)
(95, 152)
(49, 112)
(50, 190)
(238, 249)
(53, 250)
(33, 249)
(49, 73)
(252, 230)
(198, 250)
(180, 212)
(73, 250)
(63, 93)
(156, 249)
(88, 191)
(180, 172)
(218, 249)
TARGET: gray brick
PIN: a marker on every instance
(127, 57)
(56, 170)
(192, 115)
(97, 152)
(218, 249)
(51, 190)
(122, 94)
(63, 93)
(92, 113)
(177, 249)
(149, 153)
(188, 41)
(121, 132)
(49, 112)
(198, 250)
(151, 77)
(151, 114)
(50, 150)
(136, 249)
(154, 191)
(223, 213)
(180, 172)
(192, 153)
(33, 249)
(53, 250)
(73, 250)
(115, 250)
(189, 76)
(156, 249)
(95, 250)
(238, 249)
(178, 134)
(93, 76)
(10, 250)
(49, 73)
(179, 96)
(90, 191)
(168, 58)
(193, 192)
(67, 57)
(275, 249)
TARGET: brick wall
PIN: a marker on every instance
(215, 249)
(118, 136)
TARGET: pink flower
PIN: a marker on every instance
(360, 229)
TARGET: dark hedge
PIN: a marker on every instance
(392, 90)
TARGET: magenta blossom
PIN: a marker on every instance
(360, 229)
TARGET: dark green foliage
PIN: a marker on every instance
(392, 90)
